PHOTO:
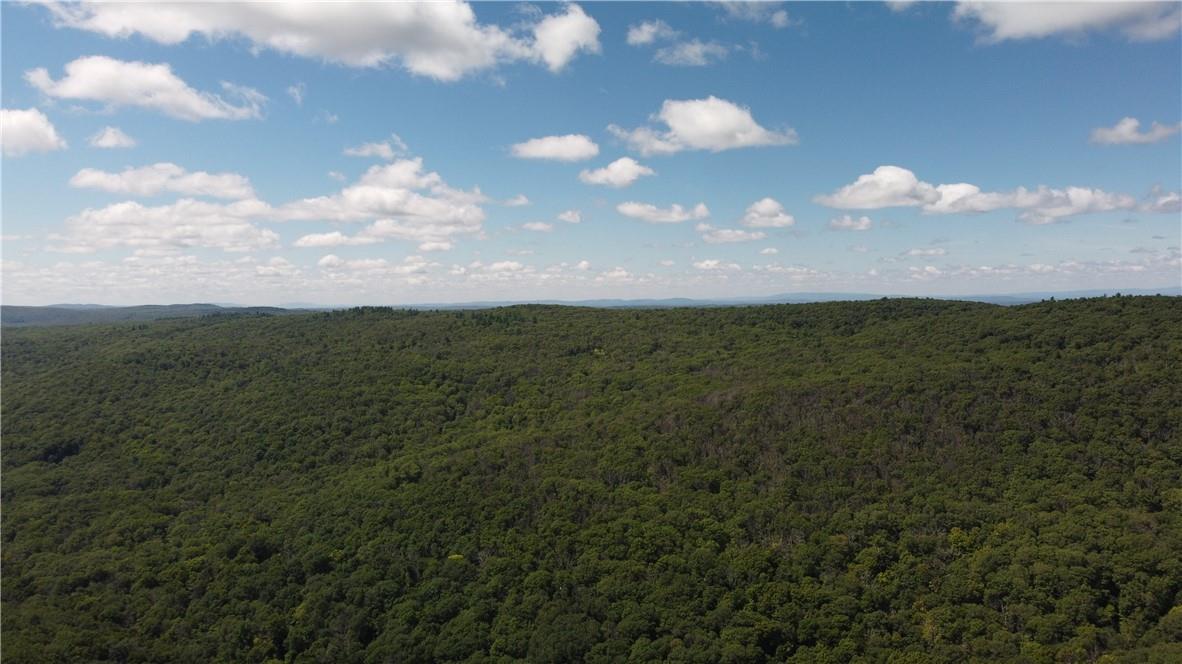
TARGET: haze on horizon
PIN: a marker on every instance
(454, 152)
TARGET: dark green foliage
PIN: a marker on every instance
(899, 481)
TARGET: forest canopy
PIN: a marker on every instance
(895, 480)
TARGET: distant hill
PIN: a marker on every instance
(82, 314)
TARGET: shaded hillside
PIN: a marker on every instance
(899, 480)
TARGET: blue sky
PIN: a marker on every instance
(765, 148)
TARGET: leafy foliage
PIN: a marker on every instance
(898, 480)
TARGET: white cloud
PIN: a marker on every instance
(756, 12)
(520, 200)
(570, 147)
(667, 263)
(926, 251)
(848, 223)
(767, 213)
(558, 38)
(277, 267)
(410, 265)
(583, 265)
(714, 235)
(620, 173)
(887, 186)
(716, 265)
(615, 274)
(151, 86)
(1163, 202)
(337, 175)
(1127, 131)
(330, 261)
(538, 226)
(793, 272)
(440, 40)
(702, 124)
(388, 149)
(381, 150)
(165, 177)
(28, 130)
(570, 216)
(183, 224)
(892, 186)
(674, 214)
(111, 137)
(693, 53)
(506, 266)
(924, 273)
(1138, 21)
(404, 202)
(333, 239)
(648, 32)
(768, 251)
(297, 92)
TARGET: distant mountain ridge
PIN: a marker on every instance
(82, 314)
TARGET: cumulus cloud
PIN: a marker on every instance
(165, 177)
(892, 186)
(152, 86)
(570, 216)
(1162, 202)
(183, 224)
(558, 38)
(28, 130)
(1128, 131)
(674, 214)
(111, 137)
(716, 265)
(1137, 21)
(757, 12)
(277, 266)
(926, 251)
(405, 203)
(387, 149)
(693, 53)
(538, 226)
(767, 213)
(440, 40)
(714, 235)
(648, 32)
(410, 265)
(333, 239)
(569, 147)
(887, 186)
(768, 251)
(400, 199)
(702, 124)
(505, 266)
(848, 223)
(620, 173)
(520, 200)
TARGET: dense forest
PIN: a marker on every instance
(900, 481)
